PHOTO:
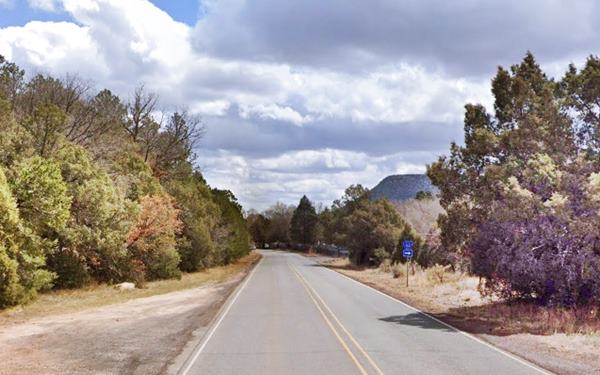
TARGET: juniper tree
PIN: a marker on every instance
(521, 195)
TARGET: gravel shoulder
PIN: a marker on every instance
(140, 336)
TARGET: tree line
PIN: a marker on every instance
(371, 230)
(522, 195)
(95, 189)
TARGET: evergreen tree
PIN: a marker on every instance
(232, 237)
(303, 228)
(521, 195)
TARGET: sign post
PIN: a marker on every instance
(407, 252)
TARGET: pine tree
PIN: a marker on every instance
(303, 228)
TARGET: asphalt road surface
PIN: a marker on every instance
(292, 316)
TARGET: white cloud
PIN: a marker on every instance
(309, 160)
(399, 93)
(46, 5)
(274, 112)
(57, 47)
(211, 108)
(119, 44)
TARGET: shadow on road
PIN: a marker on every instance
(416, 320)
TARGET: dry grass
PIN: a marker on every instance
(419, 278)
(385, 266)
(66, 301)
(506, 319)
(343, 264)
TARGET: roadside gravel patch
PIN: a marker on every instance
(141, 336)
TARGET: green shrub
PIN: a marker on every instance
(163, 261)
(11, 291)
(369, 226)
(134, 176)
(381, 254)
(199, 214)
(386, 265)
(232, 234)
(421, 251)
(15, 143)
(21, 254)
(41, 196)
(83, 182)
(70, 267)
(46, 125)
(93, 243)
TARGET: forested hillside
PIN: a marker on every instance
(97, 189)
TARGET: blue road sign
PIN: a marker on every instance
(407, 248)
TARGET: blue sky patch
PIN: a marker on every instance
(18, 12)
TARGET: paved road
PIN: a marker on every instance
(292, 316)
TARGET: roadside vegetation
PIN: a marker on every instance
(63, 301)
(94, 189)
(522, 195)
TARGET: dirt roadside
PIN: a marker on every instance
(459, 304)
(141, 336)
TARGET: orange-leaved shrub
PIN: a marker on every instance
(152, 239)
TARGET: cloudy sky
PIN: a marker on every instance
(307, 96)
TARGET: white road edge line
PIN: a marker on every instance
(512, 356)
(218, 323)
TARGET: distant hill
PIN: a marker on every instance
(402, 187)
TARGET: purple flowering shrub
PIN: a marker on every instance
(539, 259)
(542, 242)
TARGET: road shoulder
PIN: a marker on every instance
(140, 336)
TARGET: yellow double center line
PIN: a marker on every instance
(318, 301)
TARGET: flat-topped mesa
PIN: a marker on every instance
(402, 187)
